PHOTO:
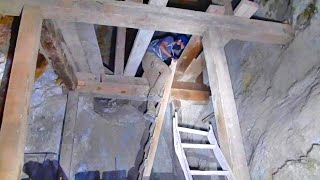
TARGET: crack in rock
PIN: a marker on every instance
(295, 160)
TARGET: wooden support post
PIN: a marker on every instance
(228, 7)
(65, 159)
(15, 119)
(51, 40)
(245, 9)
(120, 50)
(229, 132)
(88, 39)
(71, 38)
(194, 47)
(158, 126)
(140, 45)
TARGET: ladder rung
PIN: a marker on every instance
(209, 173)
(192, 131)
(198, 146)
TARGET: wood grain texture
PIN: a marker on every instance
(15, 119)
(228, 126)
(51, 41)
(163, 19)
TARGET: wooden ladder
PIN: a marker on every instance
(179, 149)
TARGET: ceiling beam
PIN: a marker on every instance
(152, 17)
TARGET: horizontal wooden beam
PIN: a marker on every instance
(190, 91)
(152, 17)
(118, 87)
(134, 88)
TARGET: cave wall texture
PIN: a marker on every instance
(277, 91)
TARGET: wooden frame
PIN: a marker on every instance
(140, 16)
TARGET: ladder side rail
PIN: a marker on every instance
(179, 150)
(219, 155)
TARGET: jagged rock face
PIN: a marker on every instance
(47, 109)
(277, 91)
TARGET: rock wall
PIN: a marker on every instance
(277, 91)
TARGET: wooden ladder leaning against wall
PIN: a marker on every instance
(179, 149)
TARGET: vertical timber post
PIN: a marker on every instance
(228, 126)
(15, 119)
(67, 141)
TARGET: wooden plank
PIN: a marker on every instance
(224, 104)
(71, 38)
(228, 7)
(190, 91)
(140, 45)
(194, 69)
(52, 40)
(245, 9)
(165, 19)
(159, 122)
(67, 141)
(88, 39)
(120, 50)
(15, 118)
(118, 87)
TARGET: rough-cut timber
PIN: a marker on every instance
(194, 69)
(89, 42)
(194, 47)
(120, 51)
(228, 7)
(140, 45)
(190, 91)
(152, 17)
(224, 104)
(245, 9)
(67, 140)
(71, 38)
(158, 125)
(51, 41)
(118, 87)
(15, 118)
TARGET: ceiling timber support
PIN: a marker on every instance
(163, 19)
